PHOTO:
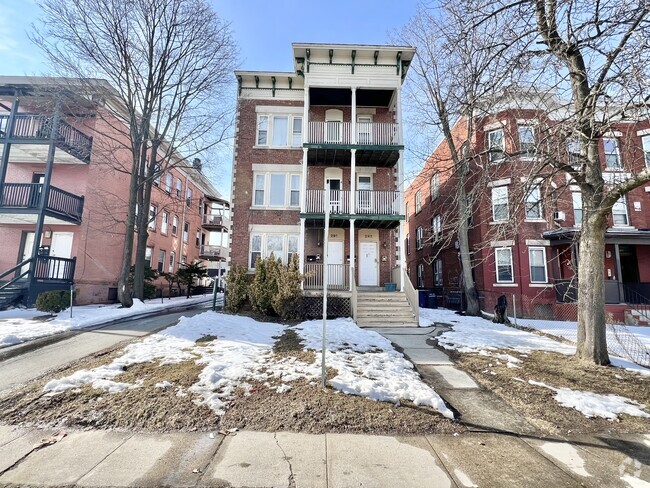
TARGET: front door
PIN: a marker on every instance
(368, 271)
(364, 185)
(61, 248)
(28, 248)
(335, 263)
(335, 195)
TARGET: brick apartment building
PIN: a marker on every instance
(63, 185)
(335, 119)
(524, 224)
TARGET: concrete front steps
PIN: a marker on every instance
(384, 309)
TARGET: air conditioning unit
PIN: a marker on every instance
(559, 216)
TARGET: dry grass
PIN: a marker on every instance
(537, 404)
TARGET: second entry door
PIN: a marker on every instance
(61, 248)
(335, 263)
(368, 275)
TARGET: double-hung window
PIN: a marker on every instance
(262, 130)
(436, 226)
(188, 197)
(496, 146)
(418, 202)
(435, 186)
(148, 254)
(292, 247)
(164, 223)
(256, 249)
(527, 140)
(419, 238)
(573, 149)
(645, 141)
(500, 210)
(612, 155)
(153, 211)
(179, 187)
(437, 272)
(276, 190)
(186, 231)
(294, 197)
(296, 135)
(169, 180)
(161, 261)
(420, 275)
(175, 225)
(283, 247)
(279, 130)
(537, 263)
(503, 260)
(534, 204)
(576, 198)
(619, 213)
(172, 261)
(260, 184)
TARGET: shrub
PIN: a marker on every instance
(53, 301)
(287, 302)
(236, 288)
(264, 286)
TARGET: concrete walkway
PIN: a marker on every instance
(256, 459)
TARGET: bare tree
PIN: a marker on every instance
(454, 75)
(594, 56)
(170, 64)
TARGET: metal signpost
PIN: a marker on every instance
(326, 201)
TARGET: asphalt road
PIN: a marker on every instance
(20, 369)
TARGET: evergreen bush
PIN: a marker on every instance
(236, 288)
(287, 302)
(264, 286)
(53, 301)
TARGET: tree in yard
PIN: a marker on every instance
(456, 69)
(169, 62)
(187, 273)
(593, 58)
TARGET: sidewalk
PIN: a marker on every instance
(256, 459)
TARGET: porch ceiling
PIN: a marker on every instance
(341, 155)
(343, 97)
(569, 235)
(37, 153)
(360, 221)
(30, 219)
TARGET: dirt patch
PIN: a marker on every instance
(206, 338)
(290, 344)
(537, 404)
(308, 408)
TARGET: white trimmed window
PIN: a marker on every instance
(169, 180)
(437, 272)
(188, 197)
(500, 210)
(620, 216)
(537, 264)
(153, 212)
(179, 187)
(576, 197)
(436, 226)
(435, 186)
(283, 246)
(280, 190)
(175, 225)
(148, 254)
(186, 231)
(279, 130)
(534, 204)
(164, 223)
(496, 146)
(504, 268)
(418, 202)
(527, 140)
(573, 149)
(612, 155)
(645, 142)
(419, 238)
(420, 275)
(172, 261)
(161, 261)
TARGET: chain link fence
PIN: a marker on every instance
(560, 320)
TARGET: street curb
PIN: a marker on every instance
(25, 347)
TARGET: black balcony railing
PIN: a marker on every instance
(39, 127)
(51, 268)
(28, 196)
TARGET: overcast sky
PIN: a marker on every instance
(264, 31)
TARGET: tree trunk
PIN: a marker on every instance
(471, 297)
(123, 289)
(591, 343)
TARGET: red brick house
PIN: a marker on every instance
(63, 185)
(525, 221)
(335, 120)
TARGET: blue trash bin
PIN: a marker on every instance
(432, 299)
(422, 298)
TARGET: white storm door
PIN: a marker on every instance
(368, 264)
(27, 250)
(335, 263)
(61, 248)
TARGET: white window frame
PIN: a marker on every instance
(419, 238)
(645, 145)
(576, 200)
(495, 154)
(621, 203)
(283, 254)
(179, 187)
(175, 225)
(296, 137)
(172, 261)
(532, 250)
(160, 265)
(617, 153)
(186, 233)
(494, 200)
(527, 151)
(500, 250)
(169, 181)
(266, 178)
(418, 202)
(293, 138)
(188, 197)
(153, 215)
(435, 186)
(436, 226)
(164, 223)
(266, 131)
(148, 255)
(574, 152)
(437, 272)
(420, 276)
(534, 203)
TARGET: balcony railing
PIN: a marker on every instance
(28, 196)
(338, 276)
(368, 133)
(216, 220)
(38, 127)
(368, 202)
(51, 268)
(208, 251)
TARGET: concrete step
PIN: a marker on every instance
(384, 305)
(385, 320)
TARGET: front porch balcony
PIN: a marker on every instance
(566, 291)
(367, 202)
(31, 135)
(19, 203)
(213, 253)
(215, 221)
(338, 276)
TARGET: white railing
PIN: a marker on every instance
(216, 220)
(368, 202)
(338, 276)
(208, 251)
(368, 133)
(411, 296)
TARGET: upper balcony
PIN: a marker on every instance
(213, 253)
(215, 221)
(20, 202)
(31, 136)
(372, 208)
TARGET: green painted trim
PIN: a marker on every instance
(353, 54)
(331, 53)
(290, 83)
(257, 81)
(376, 55)
(399, 58)
(308, 52)
(273, 83)
(354, 146)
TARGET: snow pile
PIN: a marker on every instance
(366, 362)
(593, 404)
(22, 325)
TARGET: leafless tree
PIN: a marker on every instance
(169, 63)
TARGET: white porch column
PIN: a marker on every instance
(353, 254)
(353, 161)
